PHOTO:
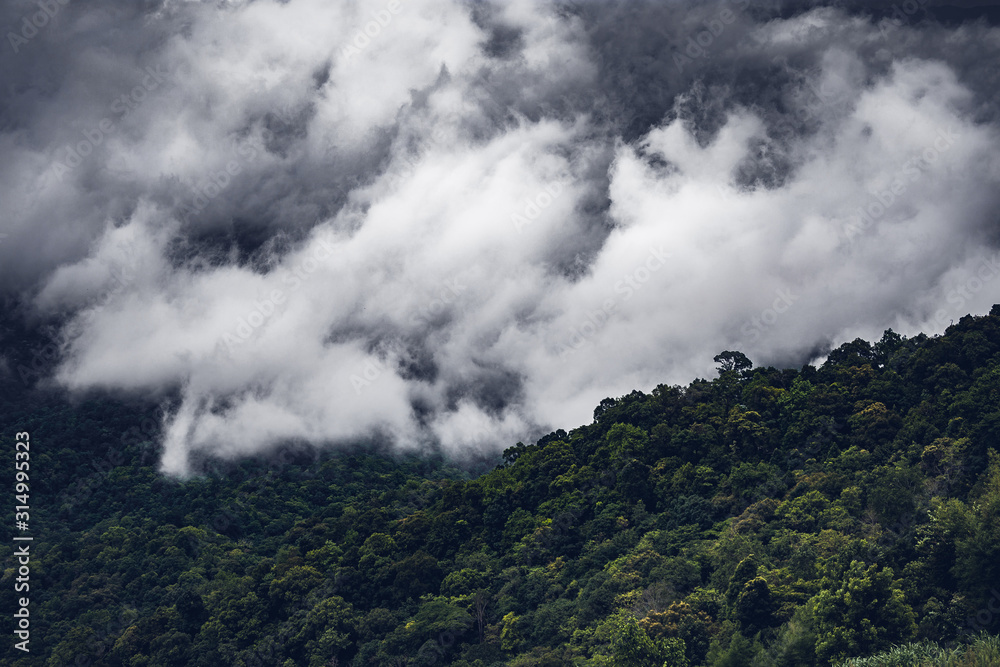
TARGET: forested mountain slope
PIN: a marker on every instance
(766, 517)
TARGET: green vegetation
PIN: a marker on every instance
(842, 515)
(983, 652)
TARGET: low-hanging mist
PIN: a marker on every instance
(463, 224)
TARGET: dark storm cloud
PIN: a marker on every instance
(428, 221)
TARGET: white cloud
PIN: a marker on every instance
(475, 285)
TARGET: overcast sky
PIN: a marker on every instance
(464, 224)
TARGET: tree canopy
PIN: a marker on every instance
(769, 516)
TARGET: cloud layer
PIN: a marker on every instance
(435, 222)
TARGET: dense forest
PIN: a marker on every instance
(766, 517)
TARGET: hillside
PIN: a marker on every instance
(768, 517)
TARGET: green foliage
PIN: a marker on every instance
(756, 606)
(983, 651)
(739, 653)
(632, 647)
(746, 571)
(860, 611)
(977, 550)
(626, 441)
(730, 522)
